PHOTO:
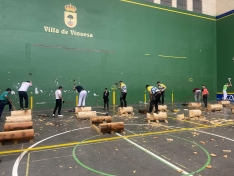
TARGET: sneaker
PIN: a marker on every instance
(53, 115)
(60, 115)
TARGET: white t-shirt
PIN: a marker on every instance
(24, 86)
(57, 93)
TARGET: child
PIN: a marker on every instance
(106, 98)
(205, 94)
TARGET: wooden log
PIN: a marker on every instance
(161, 108)
(86, 115)
(225, 103)
(100, 119)
(122, 110)
(17, 126)
(195, 113)
(21, 113)
(194, 105)
(16, 135)
(180, 117)
(82, 109)
(15, 119)
(111, 127)
(233, 111)
(215, 107)
(159, 116)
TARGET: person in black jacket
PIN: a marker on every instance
(106, 99)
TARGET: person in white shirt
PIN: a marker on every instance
(23, 93)
(59, 101)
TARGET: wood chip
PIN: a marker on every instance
(169, 139)
(179, 171)
(227, 151)
(211, 139)
(134, 171)
(155, 137)
(212, 154)
(195, 153)
(209, 167)
(70, 167)
(225, 156)
(202, 142)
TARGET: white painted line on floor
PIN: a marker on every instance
(215, 135)
(154, 155)
(16, 165)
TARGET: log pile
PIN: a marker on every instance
(161, 116)
(103, 124)
(215, 107)
(225, 103)
(17, 127)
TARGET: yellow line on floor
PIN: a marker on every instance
(27, 167)
(108, 139)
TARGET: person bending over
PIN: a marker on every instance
(82, 95)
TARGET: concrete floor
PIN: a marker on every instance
(148, 153)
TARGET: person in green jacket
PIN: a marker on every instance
(4, 100)
(225, 90)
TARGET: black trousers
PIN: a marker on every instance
(106, 103)
(2, 105)
(58, 106)
(205, 100)
(154, 102)
(123, 101)
(23, 95)
(162, 95)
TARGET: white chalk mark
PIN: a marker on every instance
(13, 92)
(154, 155)
(41, 102)
(41, 91)
(95, 95)
(216, 135)
(17, 162)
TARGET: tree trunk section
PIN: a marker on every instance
(17, 126)
(100, 119)
(122, 110)
(111, 127)
(225, 103)
(195, 113)
(86, 115)
(17, 135)
(15, 119)
(215, 107)
(21, 113)
(194, 105)
(159, 116)
(82, 109)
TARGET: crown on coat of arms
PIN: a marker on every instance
(70, 8)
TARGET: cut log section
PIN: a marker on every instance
(111, 127)
(17, 126)
(86, 115)
(82, 109)
(195, 113)
(100, 119)
(16, 135)
(215, 107)
(194, 105)
(161, 116)
(180, 117)
(233, 111)
(161, 108)
(21, 113)
(15, 119)
(225, 103)
(123, 110)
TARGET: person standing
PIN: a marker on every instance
(58, 101)
(155, 94)
(205, 94)
(162, 89)
(225, 90)
(4, 100)
(106, 99)
(82, 95)
(22, 92)
(123, 94)
(197, 94)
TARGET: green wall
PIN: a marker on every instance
(122, 34)
(225, 52)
